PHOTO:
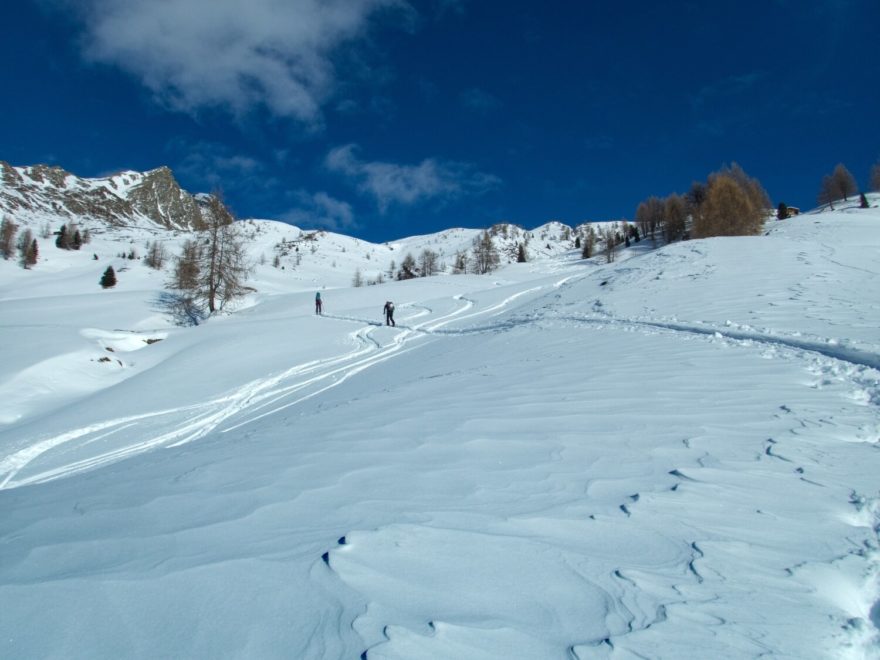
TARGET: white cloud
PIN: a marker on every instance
(236, 55)
(390, 183)
(321, 210)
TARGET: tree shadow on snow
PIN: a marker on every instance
(181, 308)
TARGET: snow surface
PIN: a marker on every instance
(675, 455)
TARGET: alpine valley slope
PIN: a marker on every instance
(675, 455)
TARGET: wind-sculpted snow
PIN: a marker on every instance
(667, 457)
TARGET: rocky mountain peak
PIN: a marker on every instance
(51, 194)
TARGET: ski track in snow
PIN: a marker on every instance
(264, 397)
(270, 395)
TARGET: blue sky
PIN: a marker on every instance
(388, 118)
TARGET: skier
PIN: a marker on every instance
(389, 313)
(319, 307)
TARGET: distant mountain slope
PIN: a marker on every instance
(129, 210)
(128, 199)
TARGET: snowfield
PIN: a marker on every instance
(671, 456)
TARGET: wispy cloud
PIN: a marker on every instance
(391, 183)
(479, 101)
(209, 165)
(229, 54)
(320, 210)
(726, 88)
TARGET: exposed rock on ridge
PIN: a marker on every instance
(121, 200)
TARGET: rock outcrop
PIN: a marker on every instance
(50, 194)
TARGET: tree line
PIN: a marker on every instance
(732, 203)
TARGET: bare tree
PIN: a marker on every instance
(186, 268)
(156, 255)
(735, 205)
(459, 266)
(875, 177)
(27, 249)
(211, 271)
(674, 217)
(589, 243)
(609, 237)
(727, 211)
(358, 279)
(223, 268)
(428, 262)
(649, 216)
(485, 255)
(8, 229)
(840, 184)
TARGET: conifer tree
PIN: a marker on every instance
(108, 279)
(407, 268)
(782, 211)
(863, 201)
(521, 253)
(63, 240)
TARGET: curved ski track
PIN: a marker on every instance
(264, 397)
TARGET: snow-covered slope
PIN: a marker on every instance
(670, 456)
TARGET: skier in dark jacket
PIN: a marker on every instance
(319, 306)
(389, 313)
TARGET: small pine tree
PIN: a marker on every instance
(63, 240)
(407, 268)
(108, 279)
(521, 254)
(577, 242)
(782, 211)
(77, 240)
(358, 279)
